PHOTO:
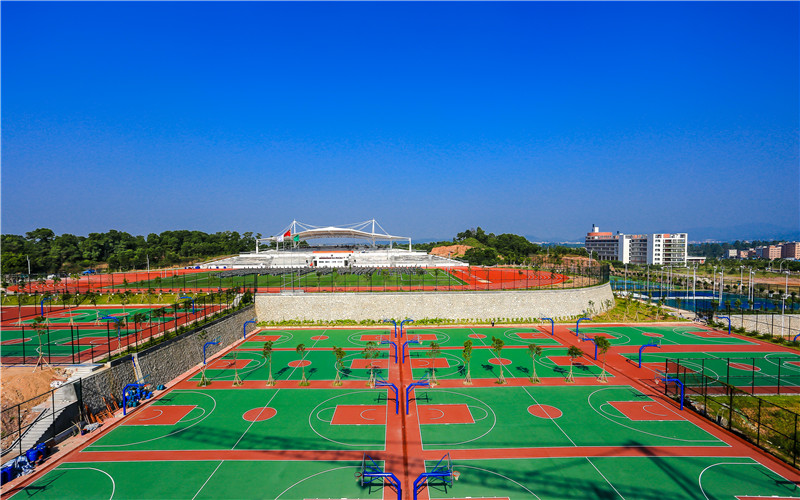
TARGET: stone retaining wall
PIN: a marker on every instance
(775, 324)
(482, 306)
(165, 361)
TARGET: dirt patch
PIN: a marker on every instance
(450, 251)
(22, 385)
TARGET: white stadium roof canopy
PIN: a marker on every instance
(360, 230)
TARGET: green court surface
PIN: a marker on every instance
(516, 363)
(286, 339)
(738, 368)
(202, 479)
(319, 365)
(666, 335)
(640, 478)
(95, 315)
(254, 419)
(514, 417)
(376, 280)
(452, 337)
(58, 341)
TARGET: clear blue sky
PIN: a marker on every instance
(533, 118)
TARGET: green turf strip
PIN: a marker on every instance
(502, 419)
(377, 280)
(640, 478)
(302, 422)
(670, 335)
(288, 480)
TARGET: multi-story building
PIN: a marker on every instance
(790, 250)
(658, 248)
(769, 252)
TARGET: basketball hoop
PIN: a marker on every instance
(456, 475)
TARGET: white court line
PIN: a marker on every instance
(273, 396)
(113, 484)
(604, 477)
(207, 480)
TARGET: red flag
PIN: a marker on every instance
(287, 233)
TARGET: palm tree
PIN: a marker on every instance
(267, 353)
(467, 355)
(603, 344)
(535, 351)
(497, 347)
(339, 353)
(137, 319)
(40, 326)
(370, 352)
(236, 380)
(433, 353)
(573, 352)
(301, 350)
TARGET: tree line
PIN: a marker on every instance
(490, 249)
(719, 250)
(51, 253)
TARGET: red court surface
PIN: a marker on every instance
(15, 341)
(709, 334)
(544, 411)
(445, 414)
(229, 364)
(645, 410)
(366, 364)
(160, 415)
(428, 363)
(565, 360)
(264, 338)
(359, 415)
(259, 414)
(530, 335)
(375, 338)
(421, 336)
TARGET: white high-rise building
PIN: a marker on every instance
(657, 248)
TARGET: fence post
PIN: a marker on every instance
(758, 431)
(53, 413)
(23, 344)
(49, 356)
(730, 408)
(780, 362)
(72, 343)
(753, 383)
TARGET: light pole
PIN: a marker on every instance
(714, 284)
(783, 301)
(721, 283)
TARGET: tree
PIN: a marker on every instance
(236, 380)
(301, 351)
(467, 355)
(339, 353)
(370, 352)
(603, 344)
(40, 326)
(497, 347)
(267, 353)
(573, 352)
(433, 353)
(535, 352)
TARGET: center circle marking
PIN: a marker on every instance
(259, 414)
(500, 361)
(745, 367)
(476, 336)
(544, 411)
(319, 337)
(650, 334)
(298, 363)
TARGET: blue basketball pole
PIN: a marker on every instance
(41, 304)
(407, 320)
(593, 341)
(394, 389)
(394, 323)
(213, 342)
(390, 342)
(552, 326)
(244, 327)
(578, 326)
(642, 349)
(187, 297)
(403, 357)
(411, 387)
(729, 323)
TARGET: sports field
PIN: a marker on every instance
(552, 440)
(84, 333)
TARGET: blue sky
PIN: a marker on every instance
(533, 118)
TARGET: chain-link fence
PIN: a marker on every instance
(768, 425)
